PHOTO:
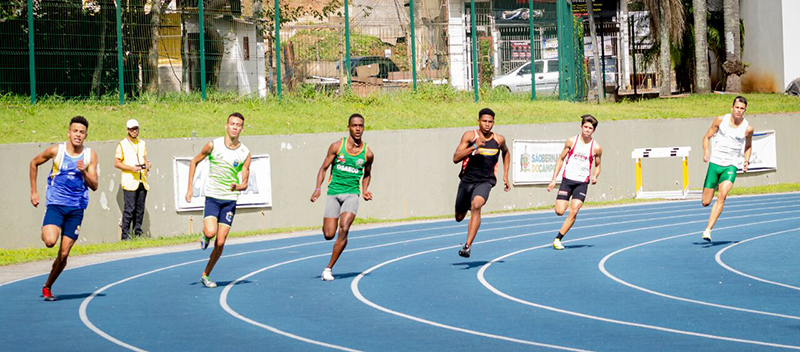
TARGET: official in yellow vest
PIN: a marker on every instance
(131, 158)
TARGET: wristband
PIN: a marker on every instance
(475, 146)
(316, 189)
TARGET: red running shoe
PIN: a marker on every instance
(47, 294)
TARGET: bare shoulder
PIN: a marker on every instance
(370, 154)
(335, 146)
(500, 138)
(597, 148)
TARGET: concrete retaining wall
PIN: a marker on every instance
(413, 175)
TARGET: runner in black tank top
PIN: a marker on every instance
(478, 152)
(481, 166)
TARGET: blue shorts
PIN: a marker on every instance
(68, 219)
(222, 210)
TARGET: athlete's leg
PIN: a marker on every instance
(474, 219)
(210, 227)
(345, 220)
(222, 234)
(561, 206)
(463, 201)
(716, 210)
(573, 214)
(61, 260)
(50, 235)
(329, 226)
(708, 196)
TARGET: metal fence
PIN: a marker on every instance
(126, 48)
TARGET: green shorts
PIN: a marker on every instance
(717, 174)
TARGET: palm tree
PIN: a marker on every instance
(667, 20)
(702, 80)
(732, 39)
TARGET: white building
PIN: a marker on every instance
(771, 44)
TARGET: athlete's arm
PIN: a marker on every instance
(89, 172)
(40, 159)
(465, 147)
(748, 146)
(206, 151)
(560, 162)
(710, 133)
(367, 176)
(245, 176)
(326, 163)
(597, 156)
(506, 162)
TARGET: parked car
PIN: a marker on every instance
(519, 80)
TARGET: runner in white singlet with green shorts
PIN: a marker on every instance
(352, 163)
(732, 135)
(228, 157)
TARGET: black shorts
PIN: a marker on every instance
(574, 189)
(468, 191)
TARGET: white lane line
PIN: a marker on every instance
(84, 305)
(602, 266)
(718, 258)
(485, 283)
(360, 297)
(594, 211)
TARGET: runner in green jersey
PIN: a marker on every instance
(352, 162)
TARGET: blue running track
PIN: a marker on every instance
(632, 278)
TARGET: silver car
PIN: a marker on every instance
(519, 80)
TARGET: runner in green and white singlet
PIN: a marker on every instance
(733, 137)
(352, 163)
(227, 157)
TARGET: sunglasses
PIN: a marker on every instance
(133, 129)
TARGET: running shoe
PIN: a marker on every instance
(557, 244)
(204, 242)
(47, 294)
(707, 235)
(327, 275)
(206, 281)
(464, 251)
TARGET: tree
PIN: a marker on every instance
(733, 66)
(667, 21)
(702, 80)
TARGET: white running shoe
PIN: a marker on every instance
(327, 275)
(707, 235)
(557, 244)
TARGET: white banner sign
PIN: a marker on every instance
(257, 195)
(534, 161)
(764, 155)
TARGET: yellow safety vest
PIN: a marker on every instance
(132, 154)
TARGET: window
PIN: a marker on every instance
(525, 70)
(246, 48)
(552, 66)
(539, 67)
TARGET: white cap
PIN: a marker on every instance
(132, 123)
